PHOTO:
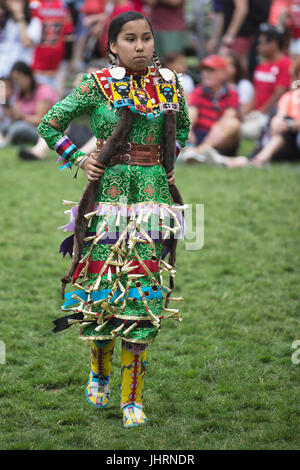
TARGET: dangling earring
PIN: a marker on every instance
(165, 73)
(115, 71)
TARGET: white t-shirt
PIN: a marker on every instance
(245, 91)
(187, 83)
(12, 49)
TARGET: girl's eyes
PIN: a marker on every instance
(132, 39)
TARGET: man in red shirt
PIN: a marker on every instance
(283, 143)
(214, 112)
(272, 78)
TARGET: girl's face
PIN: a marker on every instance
(134, 45)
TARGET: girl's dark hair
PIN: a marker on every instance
(23, 68)
(118, 22)
(7, 13)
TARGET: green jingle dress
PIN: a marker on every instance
(119, 286)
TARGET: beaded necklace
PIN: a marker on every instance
(131, 91)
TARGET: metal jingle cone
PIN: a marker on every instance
(117, 72)
(166, 74)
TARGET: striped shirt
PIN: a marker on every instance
(212, 107)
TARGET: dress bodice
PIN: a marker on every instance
(95, 102)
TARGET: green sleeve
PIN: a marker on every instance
(53, 125)
(183, 122)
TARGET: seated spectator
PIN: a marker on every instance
(236, 77)
(213, 107)
(177, 62)
(284, 143)
(32, 101)
(272, 77)
(6, 97)
(79, 133)
(19, 34)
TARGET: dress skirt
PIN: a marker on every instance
(121, 283)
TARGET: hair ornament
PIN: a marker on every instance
(165, 73)
(115, 71)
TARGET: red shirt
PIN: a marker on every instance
(210, 107)
(56, 24)
(92, 7)
(270, 75)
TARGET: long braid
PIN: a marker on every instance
(168, 150)
(168, 146)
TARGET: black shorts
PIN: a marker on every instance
(289, 152)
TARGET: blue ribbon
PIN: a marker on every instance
(66, 165)
(103, 294)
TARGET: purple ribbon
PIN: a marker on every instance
(70, 227)
(112, 237)
(67, 246)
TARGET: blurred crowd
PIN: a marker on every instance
(239, 60)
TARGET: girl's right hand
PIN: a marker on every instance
(92, 168)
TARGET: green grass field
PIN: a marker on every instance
(221, 379)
